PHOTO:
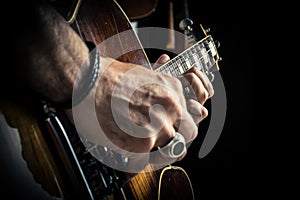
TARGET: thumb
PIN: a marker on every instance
(160, 61)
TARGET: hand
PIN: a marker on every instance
(201, 86)
(139, 109)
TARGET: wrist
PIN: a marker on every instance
(85, 80)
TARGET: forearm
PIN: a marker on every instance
(49, 54)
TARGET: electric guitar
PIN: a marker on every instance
(46, 147)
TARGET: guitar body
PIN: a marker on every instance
(103, 22)
(30, 164)
(34, 166)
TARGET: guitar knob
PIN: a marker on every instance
(186, 24)
(217, 43)
(207, 30)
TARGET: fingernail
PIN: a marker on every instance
(164, 58)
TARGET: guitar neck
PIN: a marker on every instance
(202, 55)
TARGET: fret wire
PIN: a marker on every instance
(180, 66)
(200, 61)
(203, 66)
(176, 63)
(211, 58)
(194, 52)
(185, 61)
(203, 63)
(197, 54)
(205, 57)
(174, 68)
(191, 60)
(202, 57)
(197, 61)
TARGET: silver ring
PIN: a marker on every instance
(175, 148)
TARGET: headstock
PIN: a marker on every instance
(194, 34)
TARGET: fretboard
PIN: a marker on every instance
(202, 55)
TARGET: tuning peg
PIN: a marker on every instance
(186, 24)
(207, 30)
(217, 43)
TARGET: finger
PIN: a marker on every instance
(188, 127)
(183, 155)
(162, 156)
(196, 110)
(205, 80)
(160, 61)
(165, 135)
(196, 84)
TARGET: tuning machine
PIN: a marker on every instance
(186, 24)
(217, 43)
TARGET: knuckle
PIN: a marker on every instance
(193, 69)
(204, 112)
(203, 96)
(172, 105)
(194, 76)
(168, 99)
(191, 77)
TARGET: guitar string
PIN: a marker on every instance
(183, 60)
(197, 45)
